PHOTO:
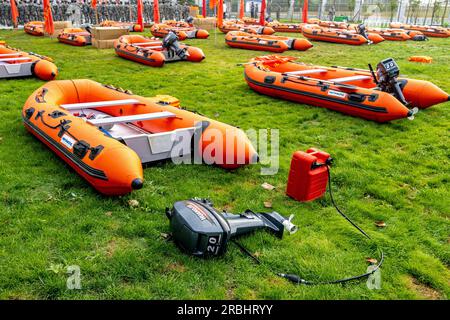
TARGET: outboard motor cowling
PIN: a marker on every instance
(361, 29)
(170, 42)
(387, 74)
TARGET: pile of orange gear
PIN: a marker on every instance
(424, 59)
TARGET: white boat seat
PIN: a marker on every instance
(15, 59)
(15, 54)
(349, 79)
(99, 104)
(132, 118)
(151, 47)
(302, 72)
(147, 43)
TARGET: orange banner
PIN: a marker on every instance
(14, 12)
(48, 17)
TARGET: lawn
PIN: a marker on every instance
(397, 173)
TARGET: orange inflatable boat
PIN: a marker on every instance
(132, 27)
(429, 31)
(333, 24)
(342, 36)
(105, 133)
(382, 96)
(15, 63)
(255, 29)
(153, 52)
(75, 37)
(243, 40)
(35, 28)
(286, 27)
(162, 29)
(391, 35)
(249, 21)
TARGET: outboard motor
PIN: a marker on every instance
(361, 29)
(386, 75)
(170, 42)
(190, 20)
(88, 27)
(199, 229)
(420, 37)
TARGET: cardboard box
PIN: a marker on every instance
(59, 26)
(194, 11)
(103, 44)
(205, 23)
(108, 33)
(62, 24)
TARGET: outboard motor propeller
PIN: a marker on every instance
(387, 73)
(200, 230)
(170, 42)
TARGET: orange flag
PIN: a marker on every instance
(212, 4)
(262, 16)
(14, 12)
(94, 4)
(155, 11)
(140, 18)
(241, 9)
(220, 14)
(305, 12)
(48, 18)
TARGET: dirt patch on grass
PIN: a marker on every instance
(423, 290)
(111, 248)
(175, 266)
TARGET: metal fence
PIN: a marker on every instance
(371, 12)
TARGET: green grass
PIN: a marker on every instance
(399, 173)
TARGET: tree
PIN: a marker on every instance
(393, 6)
(445, 12)
(426, 12)
(436, 9)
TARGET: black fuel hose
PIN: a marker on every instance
(297, 279)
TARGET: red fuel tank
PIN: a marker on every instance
(308, 175)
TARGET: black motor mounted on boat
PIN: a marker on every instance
(387, 78)
(170, 42)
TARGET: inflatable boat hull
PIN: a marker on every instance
(278, 44)
(15, 63)
(93, 150)
(75, 37)
(334, 89)
(149, 51)
(34, 28)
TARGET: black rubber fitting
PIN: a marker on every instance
(137, 184)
